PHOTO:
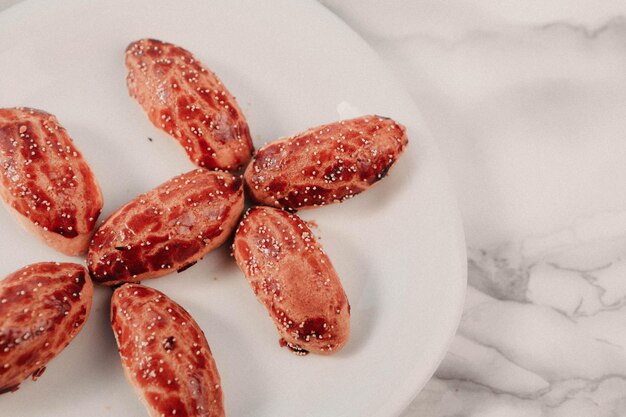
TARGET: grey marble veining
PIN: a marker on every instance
(541, 334)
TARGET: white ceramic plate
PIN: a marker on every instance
(292, 65)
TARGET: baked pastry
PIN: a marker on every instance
(293, 278)
(43, 306)
(166, 229)
(182, 97)
(325, 164)
(165, 355)
(45, 181)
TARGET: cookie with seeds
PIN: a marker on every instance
(182, 97)
(166, 229)
(325, 164)
(43, 306)
(294, 279)
(45, 181)
(165, 355)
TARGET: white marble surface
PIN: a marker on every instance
(527, 101)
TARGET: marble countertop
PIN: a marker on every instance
(527, 102)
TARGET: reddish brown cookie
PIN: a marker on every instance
(185, 99)
(325, 164)
(167, 229)
(165, 355)
(42, 308)
(293, 278)
(45, 180)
